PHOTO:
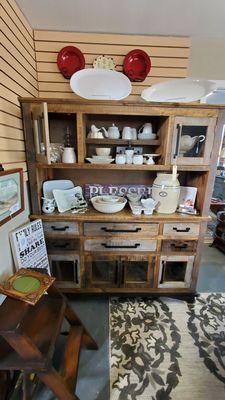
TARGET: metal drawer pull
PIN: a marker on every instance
(64, 228)
(120, 246)
(179, 246)
(61, 246)
(181, 230)
(120, 230)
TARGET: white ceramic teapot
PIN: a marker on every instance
(112, 133)
(95, 133)
(187, 142)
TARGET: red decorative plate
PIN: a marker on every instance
(137, 65)
(70, 59)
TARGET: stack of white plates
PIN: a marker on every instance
(100, 159)
(145, 136)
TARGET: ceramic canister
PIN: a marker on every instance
(166, 192)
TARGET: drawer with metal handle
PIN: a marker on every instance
(60, 228)
(178, 246)
(177, 229)
(119, 245)
(110, 228)
(62, 245)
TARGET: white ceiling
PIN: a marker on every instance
(162, 17)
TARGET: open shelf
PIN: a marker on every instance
(123, 142)
(155, 167)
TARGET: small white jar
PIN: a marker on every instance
(68, 155)
(121, 158)
(138, 159)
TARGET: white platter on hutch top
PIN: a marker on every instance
(100, 84)
(178, 90)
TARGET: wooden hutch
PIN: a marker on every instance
(123, 253)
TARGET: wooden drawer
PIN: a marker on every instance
(103, 229)
(176, 229)
(62, 245)
(177, 246)
(118, 245)
(60, 228)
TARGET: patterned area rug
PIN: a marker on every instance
(163, 349)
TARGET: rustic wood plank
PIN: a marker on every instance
(16, 88)
(10, 108)
(71, 357)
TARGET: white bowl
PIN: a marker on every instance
(103, 151)
(108, 208)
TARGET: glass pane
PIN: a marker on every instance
(136, 271)
(65, 270)
(174, 271)
(104, 271)
(192, 141)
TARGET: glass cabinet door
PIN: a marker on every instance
(41, 133)
(137, 271)
(102, 271)
(192, 140)
(175, 271)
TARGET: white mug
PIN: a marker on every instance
(68, 155)
(138, 159)
(121, 159)
(146, 129)
(127, 133)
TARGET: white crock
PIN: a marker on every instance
(68, 155)
(166, 192)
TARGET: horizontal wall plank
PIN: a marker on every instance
(10, 120)
(30, 85)
(8, 166)
(15, 87)
(12, 156)
(11, 144)
(65, 86)
(114, 49)
(17, 28)
(21, 48)
(10, 108)
(17, 55)
(164, 72)
(11, 133)
(17, 66)
(9, 94)
(99, 38)
(21, 16)
(47, 61)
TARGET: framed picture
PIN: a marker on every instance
(11, 194)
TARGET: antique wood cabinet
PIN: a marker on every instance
(123, 253)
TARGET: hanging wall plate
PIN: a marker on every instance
(70, 60)
(137, 65)
(104, 63)
(100, 84)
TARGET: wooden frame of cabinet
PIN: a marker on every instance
(175, 227)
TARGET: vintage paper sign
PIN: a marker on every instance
(28, 246)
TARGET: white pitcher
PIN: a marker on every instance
(166, 192)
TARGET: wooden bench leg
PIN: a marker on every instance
(87, 339)
(55, 382)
